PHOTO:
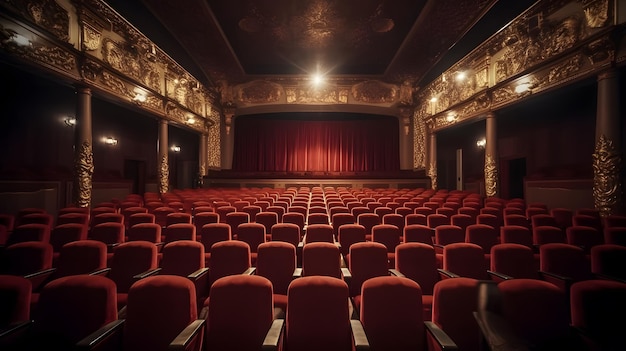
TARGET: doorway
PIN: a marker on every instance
(517, 173)
(135, 170)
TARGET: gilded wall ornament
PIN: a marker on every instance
(375, 92)
(48, 14)
(259, 92)
(607, 187)
(55, 57)
(90, 70)
(83, 171)
(597, 13)
(91, 37)
(116, 85)
(325, 95)
(419, 144)
(164, 174)
(491, 176)
(432, 174)
(131, 64)
(213, 148)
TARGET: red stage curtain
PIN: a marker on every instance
(316, 142)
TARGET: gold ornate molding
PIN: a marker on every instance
(214, 150)
(164, 174)
(83, 171)
(432, 174)
(373, 91)
(260, 92)
(327, 94)
(576, 36)
(419, 143)
(491, 176)
(607, 187)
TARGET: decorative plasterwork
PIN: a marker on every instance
(110, 56)
(83, 171)
(327, 94)
(419, 144)
(432, 174)
(607, 187)
(259, 92)
(372, 91)
(214, 150)
(577, 31)
(164, 174)
(491, 176)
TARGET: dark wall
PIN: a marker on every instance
(38, 144)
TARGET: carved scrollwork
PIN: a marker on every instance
(164, 174)
(432, 174)
(597, 13)
(48, 14)
(131, 64)
(83, 171)
(491, 176)
(607, 188)
(260, 92)
(91, 37)
(375, 92)
(213, 147)
(326, 95)
(419, 145)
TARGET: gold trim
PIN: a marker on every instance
(607, 188)
(83, 169)
(432, 173)
(491, 176)
(164, 174)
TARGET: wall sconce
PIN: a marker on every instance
(481, 143)
(69, 121)
(190, 119)
(110, 141)
(176, 148)
(460, 76)
(523, 88)
(20, 40)
(451, 117)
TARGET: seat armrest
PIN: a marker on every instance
(347, 275)
(12, 329)
(147, 273)
(438, 248)
(440, 337)
(301, 243)
(447, 274)
(111, 247)
(358, 334)
(561, 281)
(297, 273)
(110, 334)
(188, 335)
(38, 279)
(250, 271)
(498, 276)
(497, 333)
(396, 273)
(198, 274)
(273, 336)
(103, 271)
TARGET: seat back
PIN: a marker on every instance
(391, 314)
(234, 219)
(514, 260)
(454, 303)
(585, 237)
(145, 232)
(565, 260)
(66, 233)
(466, 260)
(609, 259)
(15, 298)
(317, 315)
(182, 257)
(286, 232)
(81, 257)
(319, 233)
(130, 259)
(447, 234)
(482, 235)
(296, 218)
(108, 233)
(350, 234)
(241, 303)
(228, 258)
(27, 257)
(276, 261)
(321, 258)
(253, 234)
(180, 231)
(29, 232)
(366, 260)
(418, 233)
(72, 307)
(418, 262)
(158, 309)
(212, 233)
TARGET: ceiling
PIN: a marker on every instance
(391, 40)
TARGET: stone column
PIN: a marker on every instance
(607, 157)
(432, 159)
(228, 138)
(163, 162)
(83, 150)
(491, 157)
